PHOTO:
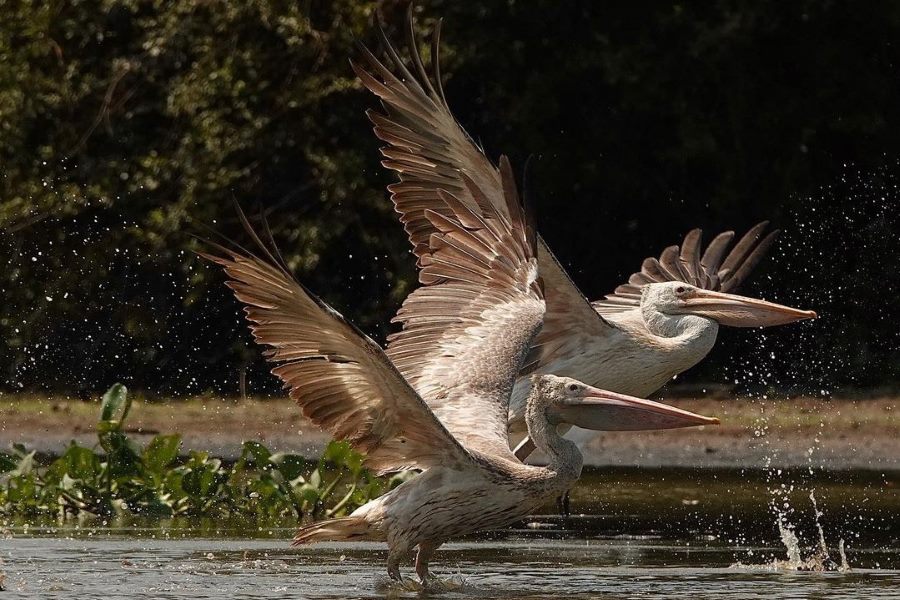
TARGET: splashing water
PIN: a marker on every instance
(455, 582)
(818, 561)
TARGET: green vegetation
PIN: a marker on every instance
(122, 479)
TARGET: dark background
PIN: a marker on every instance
(127, 126)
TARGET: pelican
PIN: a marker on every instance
(662, 322)
(463, 344)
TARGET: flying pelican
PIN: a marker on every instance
(662, 322)
(473, 325)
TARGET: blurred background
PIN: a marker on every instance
(128, 126)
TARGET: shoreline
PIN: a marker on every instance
(754, 434)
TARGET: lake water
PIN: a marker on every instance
(644, 533)
(113, 567)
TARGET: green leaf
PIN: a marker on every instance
(117, 443)
(342, 455)
(107, 426)
(336, 452)
(155, 505)
(122, 454)
(81, 463)
(291, 466)
(308, 494)
(258, 454)
(115, 404)
(161, 451)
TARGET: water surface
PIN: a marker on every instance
(644, 533)
(112, 567)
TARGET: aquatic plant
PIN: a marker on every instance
(117, 477)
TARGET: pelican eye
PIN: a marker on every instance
(680, 289)
(573, 387)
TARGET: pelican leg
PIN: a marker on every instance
(562, 504)
(426, 549)
(395, 555)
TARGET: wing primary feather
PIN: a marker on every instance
(712, 257)
(652, 269)
(271, 239)
(510, 194)
(217, 234)
(436, 61)
(743, 247)
(690, 255)
(671, 264)
(414, 50)
(467, 217)
(395, 58)
(749, 263)
(250, 231)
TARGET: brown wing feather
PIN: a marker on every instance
(341, 379)
(570, 321)
(714, 270)
(427, 147)
(465, 334)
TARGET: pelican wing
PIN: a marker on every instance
(432, 154)
(426, 146)
(341, 379)
(713, 270)
(466, 332)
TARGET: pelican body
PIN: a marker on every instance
(663, 321)
(488, 493)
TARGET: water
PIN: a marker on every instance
(665, 533)
(742, 506)
(515, 567)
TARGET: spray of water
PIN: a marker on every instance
(819, 559)
(817, 242)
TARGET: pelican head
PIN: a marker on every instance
(573, 402)
(677, 298)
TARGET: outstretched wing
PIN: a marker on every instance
(714, 270)
(432, 154)
(341, 379)
(466, 332)
(427, 147)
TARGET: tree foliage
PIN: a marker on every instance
(127, 126)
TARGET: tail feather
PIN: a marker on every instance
(333, 530)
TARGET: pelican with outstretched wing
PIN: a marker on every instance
(438, 402)
(663, 321)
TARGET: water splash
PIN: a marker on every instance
(455, 582)
(819, 560)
